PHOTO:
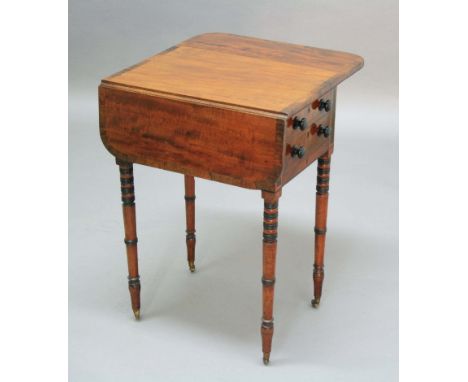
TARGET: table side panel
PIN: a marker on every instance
(224, 145)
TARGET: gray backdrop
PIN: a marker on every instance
(205, 326)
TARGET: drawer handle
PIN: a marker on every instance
(324, 105)
(297, 151)
(299, 123)
(323, 130)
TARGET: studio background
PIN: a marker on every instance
(206, 326)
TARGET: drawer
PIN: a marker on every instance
(309, 134)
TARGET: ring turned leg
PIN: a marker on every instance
(270, 231)
(128, 207)
(190, 216)
(323, 178)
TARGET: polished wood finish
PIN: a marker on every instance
(197, 140)
(270, 234)
(321, 208)
(243, 72)
(190, 237)
(238, 110)
(131, 239)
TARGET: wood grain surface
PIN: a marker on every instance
(245, 72)
(211, 143)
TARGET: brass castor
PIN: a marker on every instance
(315, 302)
(266, 358)
(191, 266)
(137, 314)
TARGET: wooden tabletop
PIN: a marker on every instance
(239, 72)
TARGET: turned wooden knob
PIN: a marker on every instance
(325, 105)
(297, 151)
(299, 123)
(323, 130)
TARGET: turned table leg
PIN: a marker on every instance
(270, 231)
(321, 207)
(190, 238)
(128, 207)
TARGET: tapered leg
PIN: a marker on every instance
(270, 229)
(190, 216)
(321, 207)
(128, 207)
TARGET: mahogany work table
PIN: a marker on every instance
(238, 110)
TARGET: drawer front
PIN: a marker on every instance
(228, 146)
(309, 134)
